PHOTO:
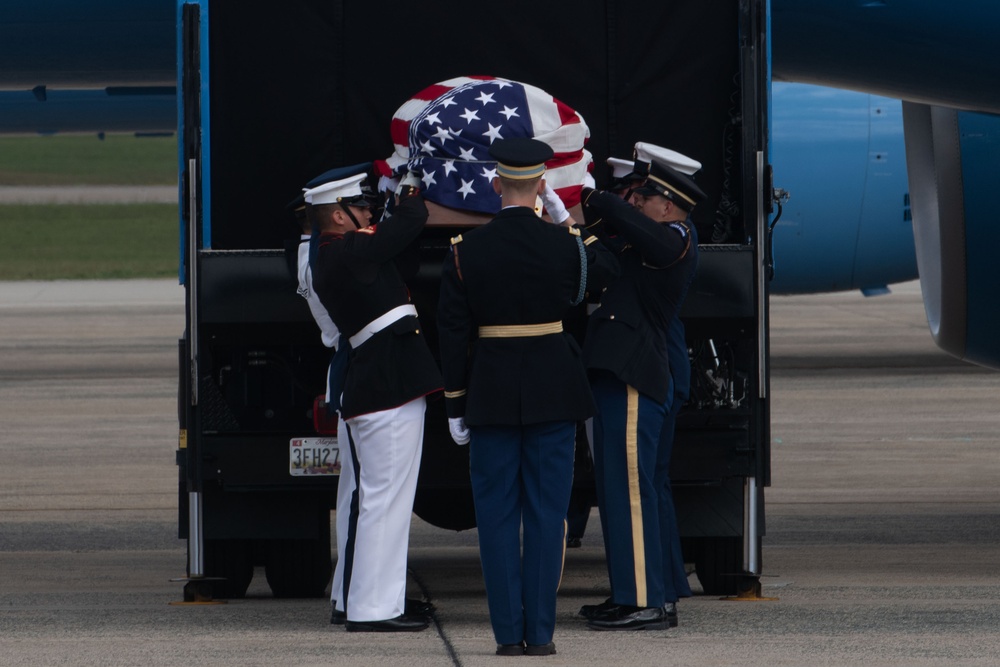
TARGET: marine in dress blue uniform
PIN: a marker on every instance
(359, 274)
(626, 354)
(515, 383)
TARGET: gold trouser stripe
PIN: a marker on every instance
(562, 568)
(520, 330)
(634, 498)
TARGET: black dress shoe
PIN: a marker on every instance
(670, 611)
(573, 543)
(510, 649)
(337, 617)
(632, 618)
(402, 623)
(612, 611)
(592, 610)
(415, 607)
(540, 649)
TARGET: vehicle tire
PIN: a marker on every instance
(299, 568)
(718, 562)
(232, 560)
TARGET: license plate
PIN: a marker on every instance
(313, 457)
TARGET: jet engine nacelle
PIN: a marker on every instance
(953, 158)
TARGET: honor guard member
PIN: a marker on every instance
(675, 582)
(675, 576)
(628, 363)
(334, 375)
(390, 372)
(330, 335)
(516, 386)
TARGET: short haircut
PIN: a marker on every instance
(521, 187)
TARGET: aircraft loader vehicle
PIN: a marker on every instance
(273, 94)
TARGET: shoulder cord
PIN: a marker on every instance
(583, 273)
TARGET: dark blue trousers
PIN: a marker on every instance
(675, 577)
(522, 475)
(675, 582)
(626, 443)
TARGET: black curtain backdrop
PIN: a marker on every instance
(301, 86)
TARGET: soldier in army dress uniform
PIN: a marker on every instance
(627, 358)
(515, 384)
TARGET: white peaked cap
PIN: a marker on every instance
(330, 193)
(648, 152)
(619, 167)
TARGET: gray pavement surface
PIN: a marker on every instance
(88, 194)
(882, 545)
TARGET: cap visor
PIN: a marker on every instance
(647, 191)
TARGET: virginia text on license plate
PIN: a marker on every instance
(313, 456)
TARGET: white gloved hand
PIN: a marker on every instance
(410, 180)
(554, 205)
(386, 184)
(459, 431)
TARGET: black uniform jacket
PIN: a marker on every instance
(516, 270)
(360, 276)
(627, 334)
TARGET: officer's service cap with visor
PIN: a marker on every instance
(620, 168)
(623, 174)
(343, 185)
(646, 154)
(520, 158)
(667, 182)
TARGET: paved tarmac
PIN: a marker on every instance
(882, 545)
(88, 194)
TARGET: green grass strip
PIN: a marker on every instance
(60, 242)
(118, 159)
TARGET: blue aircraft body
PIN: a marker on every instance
(877, 186)
(846, 223)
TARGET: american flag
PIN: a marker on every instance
(444, 132)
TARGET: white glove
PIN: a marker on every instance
(411, 179)
(459, 431)
(554, 205)
(386, 184)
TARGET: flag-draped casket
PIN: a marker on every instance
(444, 132)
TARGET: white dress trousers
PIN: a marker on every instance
(387, 447)
(345, 492)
